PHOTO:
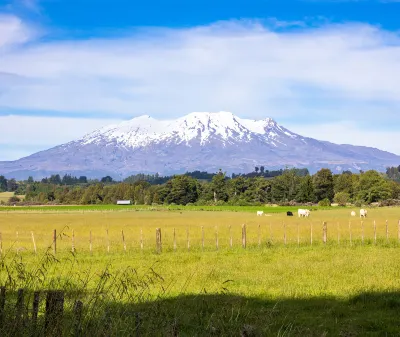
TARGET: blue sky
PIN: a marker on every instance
(324, 69)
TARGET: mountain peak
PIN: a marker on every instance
(198, 141)
(196, 127)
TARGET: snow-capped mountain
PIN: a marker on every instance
(198, 141)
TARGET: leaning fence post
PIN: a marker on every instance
(158, 240)
(244, 239)
(34, 243)
(78, 306)
(54, 313)
(325, 232)
(55, 241)
(2, 304)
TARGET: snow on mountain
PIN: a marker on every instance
(197, 141)
(201, 126)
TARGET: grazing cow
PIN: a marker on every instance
(260, 213)
(363, 213)
(353, 213)
(288, 213)
(303, 213)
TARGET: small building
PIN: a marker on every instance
(123, 202)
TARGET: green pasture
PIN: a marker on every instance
(272, 287)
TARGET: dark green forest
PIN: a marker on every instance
(288, 186)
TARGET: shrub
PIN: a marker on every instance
(324, 202)
(342, 198)
(13, 200)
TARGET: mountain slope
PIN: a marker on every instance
(198, 141)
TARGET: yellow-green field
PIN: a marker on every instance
(5, 196)
(344, 288)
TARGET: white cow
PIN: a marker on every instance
(260, 213)
(303, 213)
(363, 213)
(353, 213)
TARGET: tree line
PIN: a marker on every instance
(291, 186)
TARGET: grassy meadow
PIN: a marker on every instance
(281, 284)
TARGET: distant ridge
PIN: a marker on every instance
(198, 141)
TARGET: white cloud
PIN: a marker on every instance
(310, 75)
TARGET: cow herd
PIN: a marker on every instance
(305, 213)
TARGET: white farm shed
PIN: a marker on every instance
(123, 202)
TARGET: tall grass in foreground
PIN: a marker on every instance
(121, 300)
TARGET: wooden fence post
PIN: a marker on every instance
(202, 238)
(244, 236)
(325, 232)
(216, 238)
(284, 233)
(55, 241)
(90, 242)
(187, 238)
(108, 241)
(158, 241)
(374, 232)
(35, 309)
(351, 242)
(387, 231)
(54, 313)
(19, 309)
(298, 235)
(123, 240)
(78, 307)
(138, 323)
(34, 243)
(174, 239)
(398, 231)
(17, 242)
(2, 304)
(362, 232)
(73, 241)
(230, 236)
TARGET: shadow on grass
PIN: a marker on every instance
(374, 314)
(368, 314)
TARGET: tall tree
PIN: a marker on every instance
(323, 184)
(306, 191)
